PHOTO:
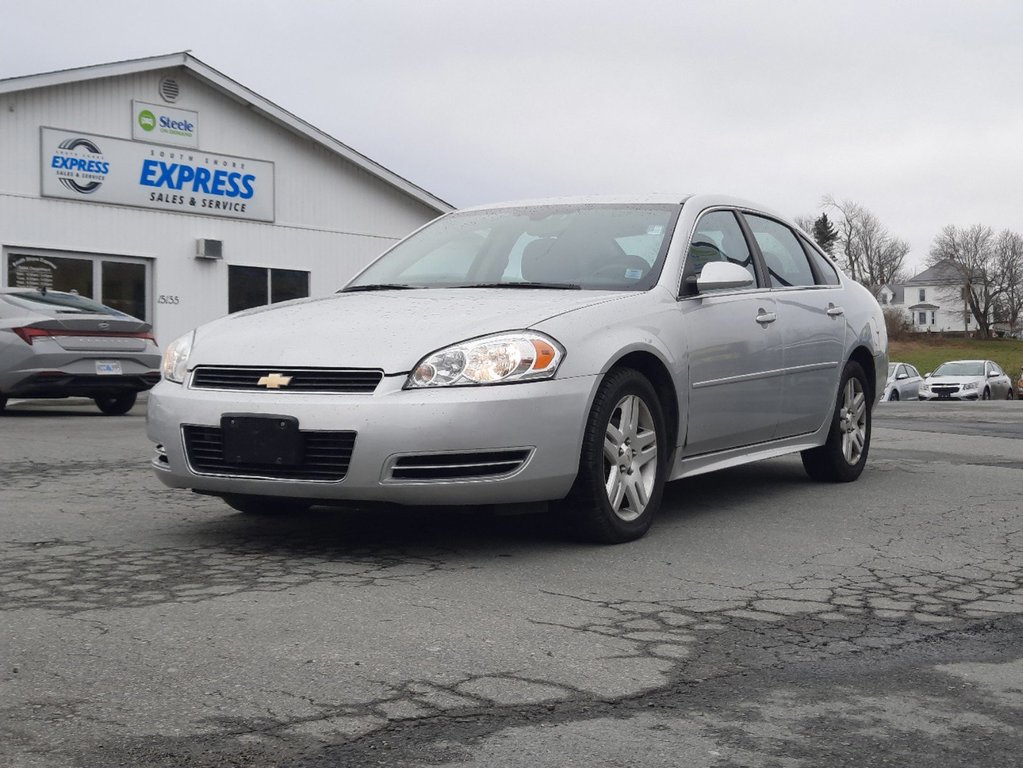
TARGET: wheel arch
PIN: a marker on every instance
(653, 368)
(863, 356)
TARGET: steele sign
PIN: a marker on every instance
(164, 125)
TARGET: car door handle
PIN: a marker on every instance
(834, 311)
(766, 317)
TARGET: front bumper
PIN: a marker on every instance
(969, 394)
(542, 422)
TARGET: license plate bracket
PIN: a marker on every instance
(108, 368)
(265, 440)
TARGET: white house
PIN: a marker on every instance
(932, 300)
(163, 188)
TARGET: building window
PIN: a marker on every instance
(923, 294)
(922, 318)
(121, 283)
(249, 287)
(884, 298)
(124, 287)
(933, 314)
(54, 273)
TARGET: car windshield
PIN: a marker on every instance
(960, 368)
(599, 247)
(55, 302)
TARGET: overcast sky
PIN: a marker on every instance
(912, 109)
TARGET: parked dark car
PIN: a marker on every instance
(55, 344)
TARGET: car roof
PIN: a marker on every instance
(702, 200)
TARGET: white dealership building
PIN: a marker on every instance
(165, 189)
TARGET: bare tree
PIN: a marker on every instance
(971, 251)
(871, 254)
(1009, 260)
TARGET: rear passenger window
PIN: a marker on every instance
(717, 237)
(787, 264)
(826, 274)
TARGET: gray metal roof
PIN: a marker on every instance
(944, 272)
(235, 91)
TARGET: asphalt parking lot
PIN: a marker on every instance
(765, 621)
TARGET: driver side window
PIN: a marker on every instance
(717, 237)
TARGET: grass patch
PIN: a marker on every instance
(927, 351)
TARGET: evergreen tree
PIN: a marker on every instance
(824, 233)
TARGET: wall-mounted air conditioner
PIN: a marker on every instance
(209, 249)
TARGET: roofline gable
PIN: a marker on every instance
(235, 91)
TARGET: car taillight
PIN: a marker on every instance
(28, 334)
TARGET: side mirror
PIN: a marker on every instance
(902, 376)
(723, 276)
(927, 375)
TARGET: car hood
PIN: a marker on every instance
(959, 380)
(389, 330)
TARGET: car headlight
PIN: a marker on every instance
(175, 358)
(498, 359)
(925, 387)
(970, 385)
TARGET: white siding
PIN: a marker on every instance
(331, 217)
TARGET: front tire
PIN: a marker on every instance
(842, 457)
(116, 405)
(986, 394)
(894, 396)
(622, 463)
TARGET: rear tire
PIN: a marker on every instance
(841, 459)
(622, 463)
(266, 505)
(116, 405)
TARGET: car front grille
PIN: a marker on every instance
(945, 390)
(326, 456)
(471, 465)
(265, 379)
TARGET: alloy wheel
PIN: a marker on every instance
(630, 458)
(852, 420)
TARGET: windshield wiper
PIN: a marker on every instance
(561, 286)
(378, 287)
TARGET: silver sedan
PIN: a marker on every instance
(903, 382)
(967, 380)
(575, 353)
(55, 345)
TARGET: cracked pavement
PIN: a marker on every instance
(765, 621)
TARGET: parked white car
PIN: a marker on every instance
(903, 382)
(967, 380)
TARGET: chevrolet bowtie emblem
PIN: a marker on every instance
(274, 381)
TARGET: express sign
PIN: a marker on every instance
(102, 169)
